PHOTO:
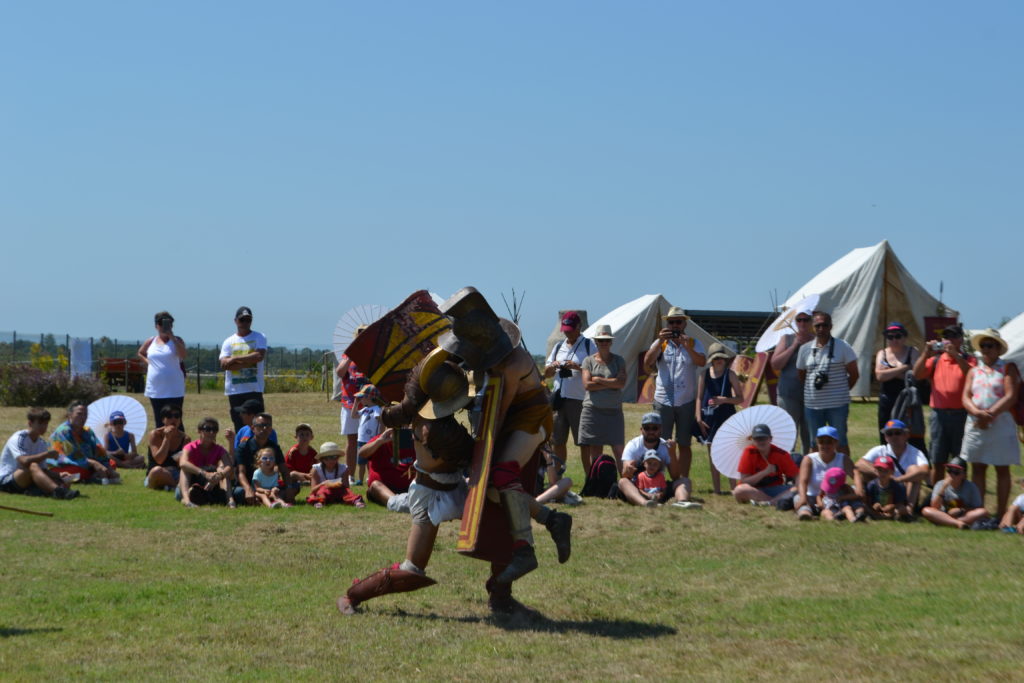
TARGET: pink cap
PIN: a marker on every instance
(835, 479)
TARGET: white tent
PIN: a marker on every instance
(634, 326)
(1013, 333)
(863, 291)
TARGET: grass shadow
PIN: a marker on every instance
(8, 632)
(617, 629)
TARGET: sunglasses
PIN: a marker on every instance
(266, 460)
(207, 429)
(894, 336)
(175, 416)
(819, 325)
(604, 341)
(328, 457)
(894, 432)
(676, 322)
(119, 422)
(260, 425)
(803, 320)
(762, 438)
(650, 428)
(955, 471)
(988, 345)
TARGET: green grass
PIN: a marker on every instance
(125, 583)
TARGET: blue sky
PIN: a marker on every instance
(304, 158)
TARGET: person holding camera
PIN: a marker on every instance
(827, 367)
(675, 357)
(165, 376)
(946, 364)
(565, 363)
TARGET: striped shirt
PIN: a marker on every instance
(813, 358)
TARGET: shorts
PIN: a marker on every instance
(9, 485)
(669, 494)
(947, 434)
(174, 471)
(359, 460)
(679, 417)
(349, 424)
(567, 419)
(776, 490)
(399, 502)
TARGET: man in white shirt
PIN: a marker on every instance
(566, 359)
(241, 359)
(632, 463)
(910, 463)
(23, 457)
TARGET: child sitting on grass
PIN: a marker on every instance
(838, 500)
(367, 409)
(1013, 520)
(301, 456)
(955, 501)
(651, 482)
(884, 497)
(330, 479)
(120, 444)
(266, 482)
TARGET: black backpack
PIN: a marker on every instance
(601, 478)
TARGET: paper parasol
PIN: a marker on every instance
(134, 414)
(353, 319)
(784, 324)
(734, 435)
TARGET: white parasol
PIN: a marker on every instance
(353, 319)
(134, 414)
(734, 435)
(784, 325)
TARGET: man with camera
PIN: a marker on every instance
(675, 357)
(566, 360)
(946, 365)
(827, 367)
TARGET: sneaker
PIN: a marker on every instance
(72, 494)
(762, 503)
(318, 506)
(277, 504)
(357, 482)
(1008, 529)
(359, 504)
(571, 498)
(652, 504)
(687, 505)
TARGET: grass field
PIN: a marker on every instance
(124, 583)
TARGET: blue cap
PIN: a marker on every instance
(894, 424)
(117, 415)
(829, 431)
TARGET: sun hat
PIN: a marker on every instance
(603, 332)
(675, 312)
(718, 350)
(650, 419)
(570, 321)
(761, 430)
(835, 479)
(989, 333)
(329, 448)
(829, 431)
(884, 462)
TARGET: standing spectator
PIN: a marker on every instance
(165, 374)
(718, 388)
(955, 501)
(78, 446)
(946, 364)
(892, 364)
(764, 470)
(566, 359)
(813, 467)
(165, 445)
(241, 359)
(827, 367)
(601, 420)
(791, 387)
(675, 357)
(23, 457)
(352, 380)
(990, 437)
(367, 407)
(632, 458)
(910, 463)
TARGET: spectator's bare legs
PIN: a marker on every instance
(587, 455)
(1013, 518)
(685, 459)
(683, 489)
(827, 515)
(556, 491)
(351, 446)
(379, 493)
(1003, 483)
(851, 516)
(960, 521)
(978, 475)
(35, 474)
(632, 494)
(159, 477)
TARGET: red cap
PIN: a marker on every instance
(570, 321)
(884, 462)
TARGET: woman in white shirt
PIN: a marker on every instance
(164, 353)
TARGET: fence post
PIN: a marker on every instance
(199, 370)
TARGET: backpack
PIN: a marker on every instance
(601, 478)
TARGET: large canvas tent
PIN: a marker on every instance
(863, 291)
(634, 326)
(1013, 333)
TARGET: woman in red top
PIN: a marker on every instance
(764, 469)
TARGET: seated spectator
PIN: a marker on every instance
(246, 462)
(885, 499)
(120, 444)
(651, 481)
(955, 501)
(78, 448)
(764, 470)
(837, 500)
(21, 463)
(205, 469)
(910, 463)
(330, 479)
(247, 412)
(389, 476)
(632, 457)
(165, 444)
(1013, 521)
(301, 456)
(812, 471)
(266, 480)
(558, 490)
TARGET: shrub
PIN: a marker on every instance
(24, 385)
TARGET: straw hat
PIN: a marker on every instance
(718, 350)
(603, 332)
(329, 448)
(675, 312)
(989, 334)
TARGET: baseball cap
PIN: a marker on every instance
(884, 462)
(243, 312)
(894, 424)
(957, 463)
(835, 479)
(570, 321)
(368, 391)
(829, 431)
(951, 331)
(650, 419)
(651, 454)
(303, 425)
(761, 430)
(895, 327)
(117, 415)
(250, 407)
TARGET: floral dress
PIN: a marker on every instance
(997, 444)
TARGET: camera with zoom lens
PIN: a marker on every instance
(564, 371)
(820, 379)
(938, 346)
